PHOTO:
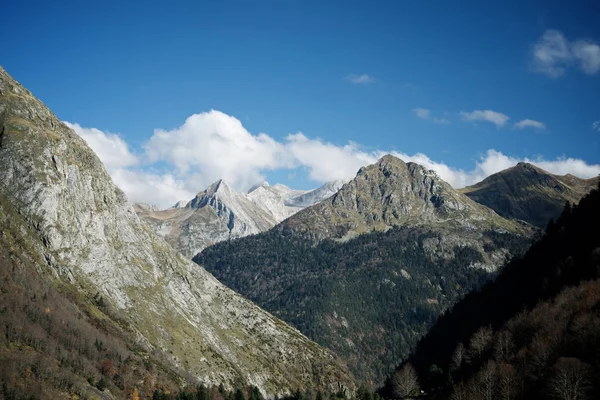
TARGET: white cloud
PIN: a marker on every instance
(588, 55)
(422, 113)
(494, 117)
(530, 123)
(214, 145)
(110, 148)
(596, 126)
(363, 79)
(325, 161)
(178, 163)
(553, 54)
(143, 186)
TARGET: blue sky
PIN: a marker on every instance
(351, 76)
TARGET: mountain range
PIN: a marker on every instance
(74, 228)
(368, 270)
(219, 213)
(98, 297)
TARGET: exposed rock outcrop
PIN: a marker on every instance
(94, 241)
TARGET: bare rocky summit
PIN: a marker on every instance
(392, 193)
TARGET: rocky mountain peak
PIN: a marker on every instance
(220, 187)
(403, 186)
(219, 195)
(263, 185)
(394, 193)
(528, 168)
(389, 160)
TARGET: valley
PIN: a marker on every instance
(290, 200)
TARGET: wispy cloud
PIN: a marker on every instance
(422, 113)
(553, 54)
(530, 123)
(596, 126)
(496, 118)
(426, 114)
(361, 79)
(175, 164)
(442, 120)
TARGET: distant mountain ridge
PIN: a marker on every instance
(368, 270)
(219, 213)
(528, 193)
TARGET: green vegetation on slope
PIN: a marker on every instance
(534, 331)
(54, 342)
(369, 299)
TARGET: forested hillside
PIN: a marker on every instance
(367, 271)
(369, 299)
(533, 332)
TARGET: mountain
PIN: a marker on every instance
(394, 193)
(215, 214)
(219, 213)
(315, 196)
(528, 193)
(81, 235)
(368, 270)
(531, 333)
(145, 207)
(274, 200)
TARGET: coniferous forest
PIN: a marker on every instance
(369, 299)
(531, 333)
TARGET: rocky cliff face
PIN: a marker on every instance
(94, 241)
(219, 213)
(528, 193)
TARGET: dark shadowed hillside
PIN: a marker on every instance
(534, 331)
